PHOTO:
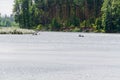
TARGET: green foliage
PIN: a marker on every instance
(74, 21)
(6, 21)
(39, 27)
(76, 29)
(111, 15)
(58, 14)
(55, 25)
(22, 13)
(98, 24)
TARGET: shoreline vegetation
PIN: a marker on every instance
(97, 16)
(14, 30)
(17, 30)
(101, 16)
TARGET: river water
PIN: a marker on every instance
(60, 56)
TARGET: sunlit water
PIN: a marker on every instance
(60, 56)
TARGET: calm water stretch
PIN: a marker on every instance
(60, 56)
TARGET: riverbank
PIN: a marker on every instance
(13, 30)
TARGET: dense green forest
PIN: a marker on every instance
(68, 15)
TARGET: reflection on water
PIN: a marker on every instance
(60, 56)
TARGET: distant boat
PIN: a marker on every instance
(80, 35)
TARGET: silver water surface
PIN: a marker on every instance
(60, 56)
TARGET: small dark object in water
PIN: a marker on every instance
(81, 35)
(36, 33)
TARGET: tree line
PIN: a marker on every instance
(68, 15)
(7, 21)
